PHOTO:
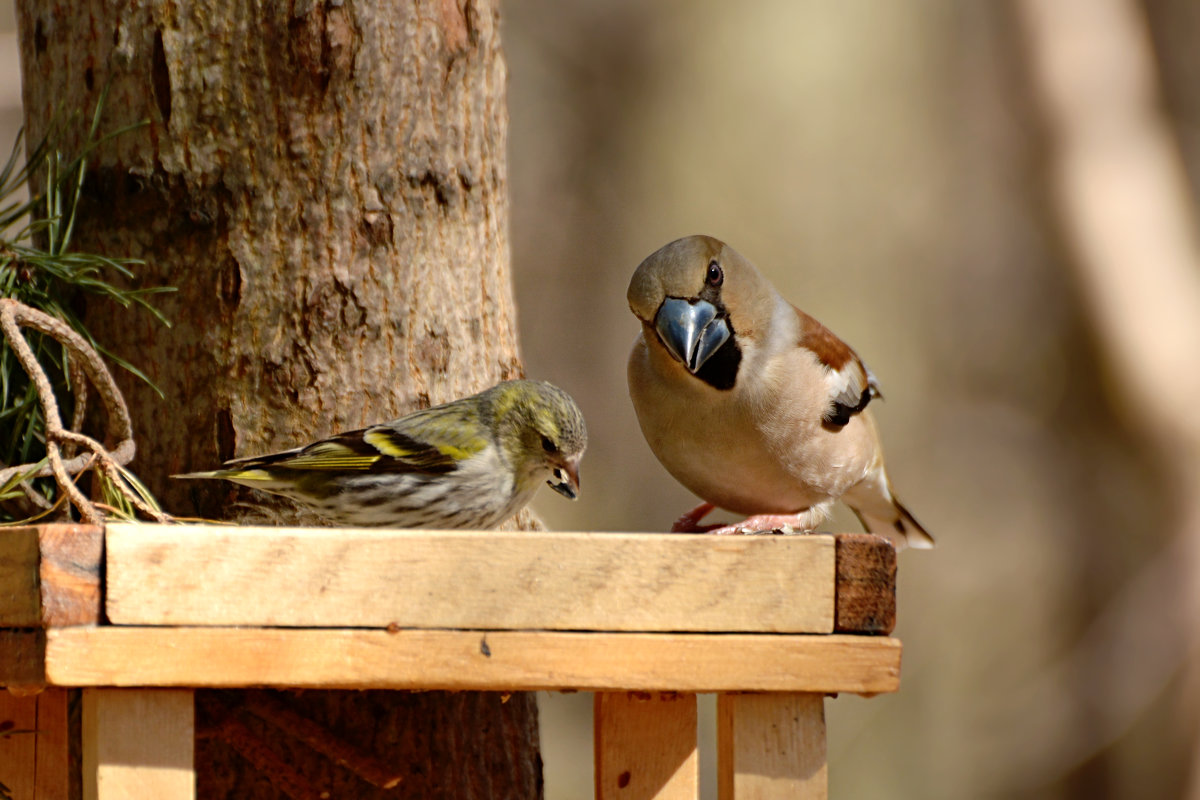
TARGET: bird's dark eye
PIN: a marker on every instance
(715, 275)
(549, 446)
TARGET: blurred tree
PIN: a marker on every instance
(326, 185)
(1121, 188)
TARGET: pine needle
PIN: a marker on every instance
(39, 269)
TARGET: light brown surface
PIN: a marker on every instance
(138, 743)
(645, 746)
(464, 660)
(173, 575)
(771, 747)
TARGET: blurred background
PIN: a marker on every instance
(892, 168)
(905, 172)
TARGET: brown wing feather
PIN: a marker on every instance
(854, 385)
(824, 343)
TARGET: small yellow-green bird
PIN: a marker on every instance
(471, 463)
(752, 404)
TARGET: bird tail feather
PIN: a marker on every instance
(902, 529)
(196, 475)
(253, 476)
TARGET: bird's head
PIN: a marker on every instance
(701, 301)
(543, 433)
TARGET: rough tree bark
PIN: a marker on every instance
(325, 183)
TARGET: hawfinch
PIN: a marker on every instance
(752, 404)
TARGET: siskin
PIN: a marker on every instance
(470, 463)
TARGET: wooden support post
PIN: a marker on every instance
(645, 745)
(138, 743)
(771, 747)
(34, 763)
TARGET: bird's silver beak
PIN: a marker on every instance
(691, 330)
(564, 479)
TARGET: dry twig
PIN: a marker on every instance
(83, 361)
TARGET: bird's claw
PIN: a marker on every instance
(742, 529)
(759, 525)
(762, 525)
(689, 522)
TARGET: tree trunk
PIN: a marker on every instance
(325, 183)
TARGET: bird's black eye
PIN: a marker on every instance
(715, 274)
(549, 446)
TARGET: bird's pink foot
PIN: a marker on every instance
(766, 523)
(690, 521)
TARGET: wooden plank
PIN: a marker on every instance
(33, 745)
(771, 747)
(53, 773)
(866, 584)
(645, 746)
(50, 575)
(18, 754)
(470, 660)
(22, 658)
(20, 602)
(207, 575)
(69, 574)
(138, 743)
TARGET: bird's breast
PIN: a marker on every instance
(746, 451)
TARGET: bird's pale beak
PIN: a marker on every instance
(691, 330)
(564, 479)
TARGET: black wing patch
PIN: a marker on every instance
(839, 413)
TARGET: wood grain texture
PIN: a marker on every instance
(177, 575)
(50, 575)
(20, 601)
(69, 574)
(771, 747)
(470, 660)
(18, 744)
(34, 759)
(866, 584)
(645, 746)
(138, 743)
(53, 760)
(22, 657)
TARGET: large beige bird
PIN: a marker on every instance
(752, 404)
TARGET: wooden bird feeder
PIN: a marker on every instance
(139, 616)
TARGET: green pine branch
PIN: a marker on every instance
(39, 268)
